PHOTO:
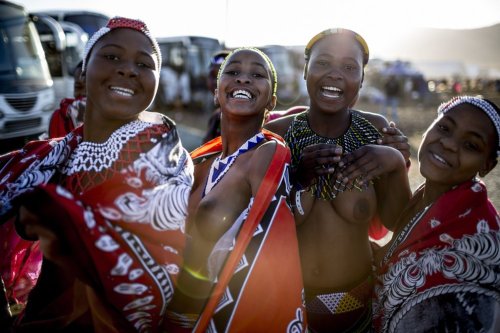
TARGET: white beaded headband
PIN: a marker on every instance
(116, 23)
(479, 103)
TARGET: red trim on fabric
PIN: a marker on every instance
(262, 199)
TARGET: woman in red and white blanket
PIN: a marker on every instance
(106, 204)
(441, 271)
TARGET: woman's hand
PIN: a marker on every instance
(393, 137)
(368, 162)
(316, 160)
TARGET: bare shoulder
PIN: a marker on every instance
(264, 153)
(376, 119)
(280, 125)
(259, 162)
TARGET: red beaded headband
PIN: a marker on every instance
(117, 23)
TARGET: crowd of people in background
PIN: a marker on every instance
(273, 223)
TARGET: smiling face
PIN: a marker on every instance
(334, 72)
(245, 84)
(121, 76)
(457, 146)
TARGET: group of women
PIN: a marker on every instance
(260, 229)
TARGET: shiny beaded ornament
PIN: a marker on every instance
(118, 22)
(91, 156)
(221, 166)
(300, 135)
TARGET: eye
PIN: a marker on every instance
(111, 57)
(442, 128)
(472, 146)
(350, 67)
(231, 72)
(258, 75)
(145, 65)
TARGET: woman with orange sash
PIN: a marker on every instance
(241, 270)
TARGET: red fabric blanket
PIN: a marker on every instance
(126, 234)
(443, 267)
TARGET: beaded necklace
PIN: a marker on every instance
(91, 156)
(300, 135)
(220, 166)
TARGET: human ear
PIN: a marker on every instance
(489, 165)
(305, 70)
(216, 99)
(272, 104)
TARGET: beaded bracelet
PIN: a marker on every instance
(298, 204)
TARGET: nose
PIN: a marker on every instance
(335, 73)
(449, 143)
(244, 78)
(128, 68)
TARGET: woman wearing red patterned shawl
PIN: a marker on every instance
(333, 216)
(107, 202)
(241, 270)
(440, 272)
(71, 110)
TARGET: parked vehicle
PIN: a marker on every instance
(26, 87)
(74, 28)
(291, 85)
(89, 21)
(183, 79)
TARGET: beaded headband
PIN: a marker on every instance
(263, 55)
(333, 31)
(118, 22)
(480, 103)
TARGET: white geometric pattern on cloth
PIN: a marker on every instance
(91, 156)
(339, 302)
(220, 167)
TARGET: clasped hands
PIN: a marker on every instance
(363, 165)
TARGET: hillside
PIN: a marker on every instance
(471, 48)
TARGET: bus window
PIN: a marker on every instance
(20, 58)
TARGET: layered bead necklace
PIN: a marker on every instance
(220, 166)
(300, 135)
(91, 156)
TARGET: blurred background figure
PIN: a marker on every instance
(392, 89)
(178, 83)
(213, 129)
(71, 110)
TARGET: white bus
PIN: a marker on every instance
(26, 92)
(74, 28)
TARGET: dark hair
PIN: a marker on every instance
(218, 57)
(78, 66)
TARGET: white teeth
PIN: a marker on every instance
(242, 94)
(332, 89)
(440, 159)
(123, 91)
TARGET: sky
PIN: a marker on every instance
(289, 22)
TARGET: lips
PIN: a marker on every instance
(331, 91)
(122, 91)
(439, 159)
(242, 94)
